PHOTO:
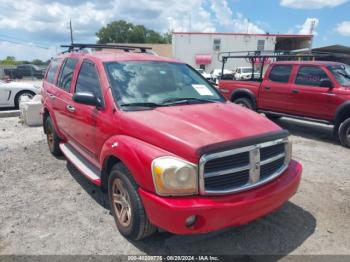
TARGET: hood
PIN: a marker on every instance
(184, 130)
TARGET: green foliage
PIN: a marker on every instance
(124, 32)
(11, 61)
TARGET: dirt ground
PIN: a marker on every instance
(47, 207)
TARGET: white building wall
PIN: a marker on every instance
(187, 46)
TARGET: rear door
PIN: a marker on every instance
(63, 97)
(309, 98)
(275, 89)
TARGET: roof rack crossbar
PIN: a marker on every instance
(126, 48)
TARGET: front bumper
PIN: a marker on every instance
(218, 212)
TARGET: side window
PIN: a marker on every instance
(50, 77)
(88, 80)
(310, 76)
(280, 73)
(66, 73)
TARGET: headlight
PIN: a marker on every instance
(288, 150)
(173, 176)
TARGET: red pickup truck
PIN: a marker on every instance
(309, 90)
(149, 131)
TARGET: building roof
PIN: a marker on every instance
(340, 49)
(244, 34)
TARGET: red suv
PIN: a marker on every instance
(149, 130)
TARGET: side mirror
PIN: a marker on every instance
(87, 98)
(326, 83)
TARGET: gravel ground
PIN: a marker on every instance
(47, 207)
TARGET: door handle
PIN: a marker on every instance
(294, 91)
(70, 108)
(267, 88)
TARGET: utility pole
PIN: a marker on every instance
(71, 31)
(311, 32)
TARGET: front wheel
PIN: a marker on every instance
(344, 133)
(244, 102)
(126, 205)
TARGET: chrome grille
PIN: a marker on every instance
(243, 168)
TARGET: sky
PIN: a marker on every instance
(36, 28)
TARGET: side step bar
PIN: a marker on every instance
(297, 117)
(87, 169)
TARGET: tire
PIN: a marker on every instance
(53, 139)
(344, 133)
(132, 223)
(272, 117)
(244, 102)
(23, 93)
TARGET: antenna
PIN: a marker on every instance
(71, 31)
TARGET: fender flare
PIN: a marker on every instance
(244, 92)
(135, 154)
(342, 113)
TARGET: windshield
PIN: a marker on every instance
(151, 84)
(341, 72)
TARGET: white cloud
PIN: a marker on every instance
(239, 23)
(305, 29)
(47, 23)
(311, 4)
(344, 28)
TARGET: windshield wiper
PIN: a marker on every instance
(142, 104)
(189, 100)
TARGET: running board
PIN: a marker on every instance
(297, 117)
(87, 169)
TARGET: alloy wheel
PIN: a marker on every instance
(121, 202)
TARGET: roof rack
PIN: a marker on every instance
(127, 48)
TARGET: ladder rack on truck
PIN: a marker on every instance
(262, 56)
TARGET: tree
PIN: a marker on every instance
(124, 32)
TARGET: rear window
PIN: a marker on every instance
(280, 73)
(66, 74)
(52, 71)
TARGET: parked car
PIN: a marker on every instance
(12, 92)
(310, 90)
(242, 73)
(170, 151)
(29, 70)
(216, 74)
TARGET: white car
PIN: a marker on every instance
(12, 92)
(242, 73)
(216, 74)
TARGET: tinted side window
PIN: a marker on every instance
(66, 74)
(88, 80)
(52, 71)
(310, 76)
(280, 73)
